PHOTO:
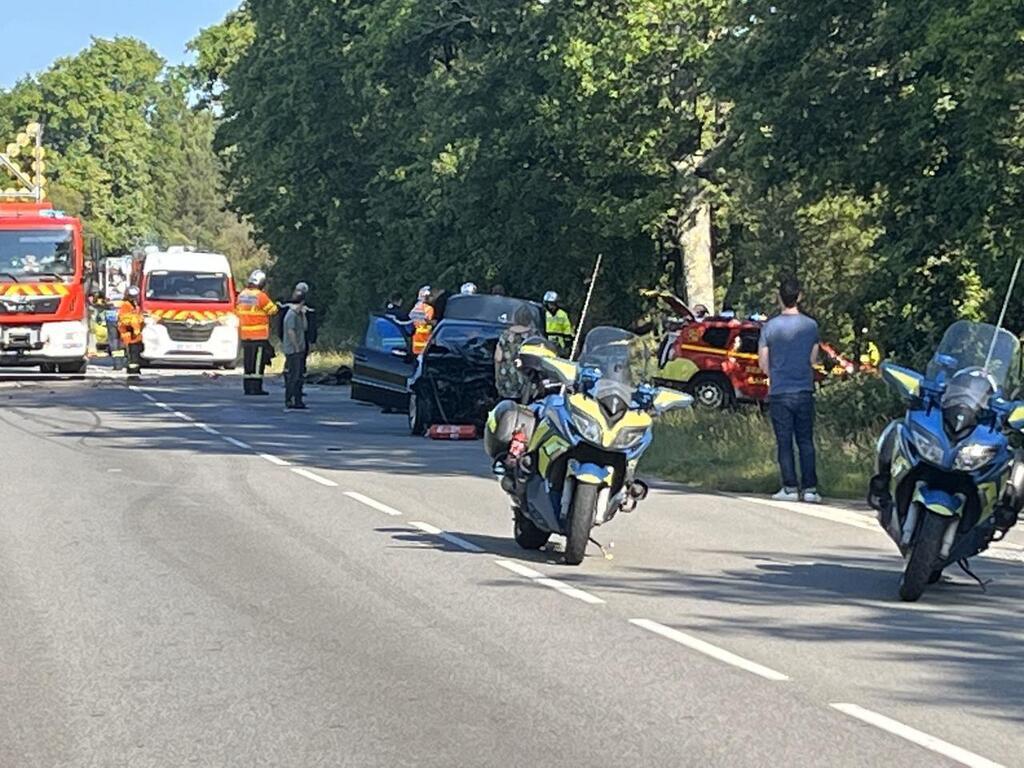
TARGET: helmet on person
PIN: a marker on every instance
(424, 293)
(301, 289)
(258, 278)
(468, 289)
(132, 293)
(550, 297)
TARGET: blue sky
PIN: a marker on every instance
(35, 32)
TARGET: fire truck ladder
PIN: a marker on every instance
(32, 182)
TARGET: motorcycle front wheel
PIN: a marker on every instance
(581, 520)
(923, 557)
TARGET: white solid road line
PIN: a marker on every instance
(373, 504)
(274, 460)
(314, 477)
(709, 650)
(539, 578)
(820, 511)
(451, 538)
(920, 738)
(207, 429)
(184, 416)
(236, 443)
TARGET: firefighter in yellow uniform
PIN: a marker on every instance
(422, 318)
(129, 329)
(557, 323)
(254, 309)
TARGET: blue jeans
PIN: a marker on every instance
(793, 419)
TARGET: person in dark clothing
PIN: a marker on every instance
(393, 308)
(787, 353)
(295, 344)
(497, 289)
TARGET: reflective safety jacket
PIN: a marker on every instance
(254, 310)
(422, 317)
(129, 323)
(558, 324)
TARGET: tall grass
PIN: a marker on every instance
(735, 450)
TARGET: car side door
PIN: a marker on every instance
(383, 364)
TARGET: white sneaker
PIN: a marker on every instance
(787, 494)
(811, 496)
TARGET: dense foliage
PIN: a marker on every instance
(874, 148)
(127, 152)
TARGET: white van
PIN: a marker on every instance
(188, 302)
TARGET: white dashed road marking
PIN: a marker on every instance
(236, 443)
(920, 738)
(451, 538)
(708, 649)
(314, 477)
(274, 460)
(539, 578)
(373, 504)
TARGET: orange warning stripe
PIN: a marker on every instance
(718, 352)
(203, 316)
(34, 289)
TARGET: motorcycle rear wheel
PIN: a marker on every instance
(581, 520)
(528, 535)
(923, 557)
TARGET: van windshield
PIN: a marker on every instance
(187, 286)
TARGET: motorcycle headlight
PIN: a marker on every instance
(587, 427)
(230, 320)
(929, 447)
(629, 438)
(974, 455)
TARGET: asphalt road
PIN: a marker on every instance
(188, 577)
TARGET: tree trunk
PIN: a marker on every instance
(695, 245)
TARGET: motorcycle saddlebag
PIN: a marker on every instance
(507, 418)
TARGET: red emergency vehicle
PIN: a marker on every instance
(43, 308)
(715, 359)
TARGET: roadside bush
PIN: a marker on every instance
(735, 450)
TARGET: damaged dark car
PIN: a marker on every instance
(452, 382)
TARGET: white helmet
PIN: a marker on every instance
(258, 278)
(132, 292)
(424, 293)
(550, 297)
(468, 289)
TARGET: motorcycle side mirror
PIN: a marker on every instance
(1015, 418)
(666, 400)
(906, 382)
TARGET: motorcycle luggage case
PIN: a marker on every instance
(507, 418)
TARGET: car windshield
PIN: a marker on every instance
(968, 346)
(187, 286)
(620, 356)
(33, 253)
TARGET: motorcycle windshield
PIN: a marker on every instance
(621, 357)
(990, 353)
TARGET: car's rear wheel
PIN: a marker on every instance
(419, 419)
(712, 392)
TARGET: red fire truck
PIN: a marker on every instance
(43, 307)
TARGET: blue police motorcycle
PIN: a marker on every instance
(948, 482)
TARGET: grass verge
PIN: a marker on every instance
(735, 450)
(320, 361)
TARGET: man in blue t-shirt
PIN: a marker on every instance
(787, 353)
